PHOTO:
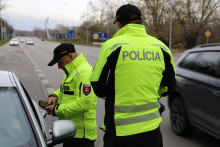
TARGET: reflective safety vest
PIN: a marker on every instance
(76, 98)
(132, 72)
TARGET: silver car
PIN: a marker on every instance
(29, 42)
(14, 42)
(196, 100)
(22, 122)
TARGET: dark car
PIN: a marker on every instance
(196, 100)
(21, 121)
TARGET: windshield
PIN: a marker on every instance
(15, 129)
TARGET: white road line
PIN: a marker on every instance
(45, 82)
(41, 75)
(50, 90)
(36, 67)
(38, 70)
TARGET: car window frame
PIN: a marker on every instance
(34, 110)
(18, 101)
(19, 90)
(200, 56)
(29, 116)
(192, 68)
(197, 56)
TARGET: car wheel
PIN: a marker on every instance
(178, 117)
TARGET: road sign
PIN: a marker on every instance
(95, 36)
(99, 36)
(70, 33)
(207, 33)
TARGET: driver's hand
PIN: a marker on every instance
(51, 100)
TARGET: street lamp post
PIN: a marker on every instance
(170, 40)
(1, 19)
(46, 27)
(87, 31)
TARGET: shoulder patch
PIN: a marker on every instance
(86, 89)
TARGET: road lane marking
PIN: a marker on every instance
(50, 90)
(45, 82)
(36, 67)
(41, 75)
(38, 70)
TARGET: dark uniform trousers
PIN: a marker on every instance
(79, 142)
(147, 139)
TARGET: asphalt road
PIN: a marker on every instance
(30, 64)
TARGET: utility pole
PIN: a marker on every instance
(1, 19)
(87, 32)
(170, 40)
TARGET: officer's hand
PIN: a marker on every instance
(50, 109)
(51, 100)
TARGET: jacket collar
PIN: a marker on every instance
(130, 29)
(75, 63)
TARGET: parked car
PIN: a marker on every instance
(21, 121)
(196, 100)
(29, 42)
(14, 42)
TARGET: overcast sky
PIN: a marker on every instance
(27, 14)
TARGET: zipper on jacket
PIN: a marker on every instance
(80, 89)
(84, 125)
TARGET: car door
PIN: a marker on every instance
(185, 80)
(42, 122)
(206, 92)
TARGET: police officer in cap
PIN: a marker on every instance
(132, 72)
(75, 99)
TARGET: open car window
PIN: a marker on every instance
(15, 129)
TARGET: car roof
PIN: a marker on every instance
(6, 79)
(205, 47)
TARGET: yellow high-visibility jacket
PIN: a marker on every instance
(76, 98)
(132, 72)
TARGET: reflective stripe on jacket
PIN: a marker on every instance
(76, 98)
(132, 72)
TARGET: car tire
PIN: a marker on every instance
(178, 117)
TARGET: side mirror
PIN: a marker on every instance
(62, 130)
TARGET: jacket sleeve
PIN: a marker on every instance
(55, 94)
(168, 82)
(84, 101)
(100, 73)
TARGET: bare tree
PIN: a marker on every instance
(96, 15)
(155, 14)
(193, 16)
(100, 17)
(61, 29)
(4, 24)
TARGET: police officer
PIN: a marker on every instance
(75, 99)
(132, 72)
